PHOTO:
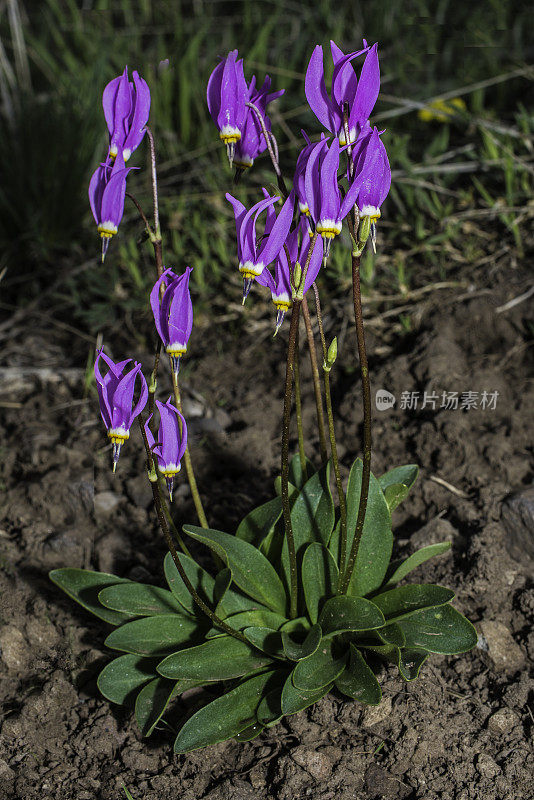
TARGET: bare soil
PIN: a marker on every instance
(461, 732)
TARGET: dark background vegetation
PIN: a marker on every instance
(468, 172)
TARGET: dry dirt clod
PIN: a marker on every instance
(503, 721)
(14, 649)
(315, 762)
(375, 714)
(518, 520)
(487, 767)
(503, 650)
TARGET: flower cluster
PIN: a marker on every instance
(239, 111)
(126, 107)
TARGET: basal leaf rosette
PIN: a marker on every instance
(165, 645)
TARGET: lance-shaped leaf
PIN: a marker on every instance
(298, 650)
(223, 581)
(261, 617)
(269, 711)
(359, 681)
(266, 640)
(312, 516)
(398, 569)
(140, 599)
(296, 475)
(403, 601)
(201, 580)
(294, 700)
(124, 676)
(153, 699)
(322, 667)
(84, 586)
(252, 572)
(319, 577)
(343, 613)
(260, 522)
(439, 630)
(376, 544)
(155, 636)
(397, 483)
(216, 660)
(226, 716)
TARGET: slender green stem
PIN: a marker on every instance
(295, 314)
(172, 549)
(298, 411)
(367, 441)
(333, 443)
(316, 381)
(187, 460)
(170, 521)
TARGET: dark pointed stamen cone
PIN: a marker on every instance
(105, 245)
(326, 249)
(116, 454)
(170, 487)
(230, 151)
(373, 236)
(280, 314)
(247, 283)
(175, 365)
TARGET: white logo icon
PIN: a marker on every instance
(384, 400)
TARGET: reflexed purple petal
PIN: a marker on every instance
(150, 439)
(155, 303)
(368, 88)
(344, 80)
(329, 191)
(275, 241)
(112, 207)
(143, 398)
(311, 180)
(108, 102)
(267, 280)
(141, 112)
(240, 213)
(315, 264)
(214, 91)
(316, 93)
(247, 233)
(180, 310)
(97, 184)
(122, 107)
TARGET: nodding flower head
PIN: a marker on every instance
(359, 97)
(373, 163)
(253, 257)
(282, 287)
(227, 95)
(173, 313)
(107, 190)
(171, 444)
(126, 109)
(252, 142)
(326, 207)
(115, 393)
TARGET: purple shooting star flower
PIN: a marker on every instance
(359, 96)
(282, 290)
(115, 393)
(107, 190)
(227, 94)
(126, 109)
(253, 257)
(327, 208)
(376, 179)
(171, 444)
(252, 142)
(173, 313)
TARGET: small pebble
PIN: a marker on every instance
(375, 714)
(13, 648)
(487, 767)
(503, 721)
(316, 763)
(503, 650)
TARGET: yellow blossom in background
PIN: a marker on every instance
(441, 110)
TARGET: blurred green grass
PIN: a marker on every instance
(475, 169)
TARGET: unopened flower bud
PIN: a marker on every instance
(331, 356)
(297, 275)
(364, 230)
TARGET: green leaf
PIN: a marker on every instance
(393, 634)
(312, 516)
(321, 668)
(84, 586)
(215, 660)
(266, 640)
(153, 700)
(252, 572)
(299, 626)
(125, 675)
(259, 617)
(201, 580)
(410, 662)
(294, 700)
(439, 630)
(397, 483)
(269, 711)
(376, 544)
(359, 681)
(293, 491)
(155, 636)
(401, 602)
(296, 476)
(343, 613)
(260, 522)
(319, 577)
(226, 716)
(223, 581)
(298, 650)
(249, 733)
(398, 570)
(140, 599)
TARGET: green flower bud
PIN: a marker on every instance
(331, 355)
